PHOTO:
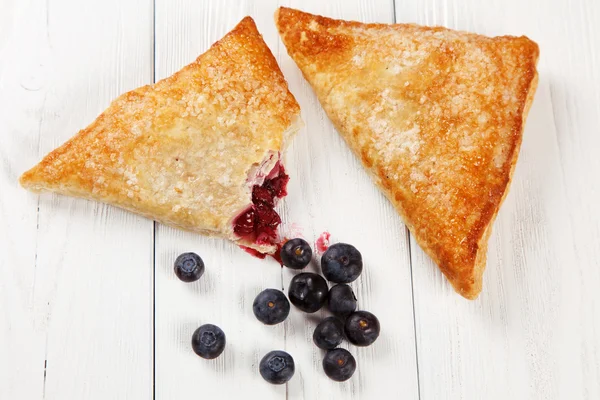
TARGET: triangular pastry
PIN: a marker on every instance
(199, 150)
(435, 115)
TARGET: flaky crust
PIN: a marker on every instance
(435, 115)
(180, 151)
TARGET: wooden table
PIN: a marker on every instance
(90, 307)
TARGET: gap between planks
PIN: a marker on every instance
(154, 225)
(410, 261)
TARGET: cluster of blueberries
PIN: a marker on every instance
(341, 264)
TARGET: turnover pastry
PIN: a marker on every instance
(200, 150)
(435, 115)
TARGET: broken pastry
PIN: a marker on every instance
(200, 150)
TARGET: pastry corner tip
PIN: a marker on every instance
(247, 24)
(247, 20)
(279, 16)
(472, 294)
(282, 9)
(26, 180)
(283, 15)
(469, 290)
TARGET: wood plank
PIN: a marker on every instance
(21, 346)
(76, 276)
(531, 333)
(331, 191)
(224, 295)
(570, 41)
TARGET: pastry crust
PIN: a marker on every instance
(435, 115)
(186, 150)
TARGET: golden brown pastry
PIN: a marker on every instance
(199, 150)
(435, 115)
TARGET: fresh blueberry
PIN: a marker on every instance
(329, 333)
(271, 306)
(277, 367)
(339, 364)
(341, 300)
(361, 328)
(308, 291)
(341, 263)
(189, 267)
(296, 253)
(208, 341)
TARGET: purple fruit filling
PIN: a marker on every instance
(258, 224)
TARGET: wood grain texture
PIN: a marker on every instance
(533, 332)
(76, 276)
(22, 345)
(76, 279)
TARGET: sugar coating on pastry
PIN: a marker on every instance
(182, 151)
(436, 116)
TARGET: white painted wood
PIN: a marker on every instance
(21, 346)
(77, 291)
(75, 276)
(534, 331)
(224, 295)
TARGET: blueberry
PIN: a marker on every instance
(277, 367)
(329, 333)
(361, 328)
(271, 306)
(339, 364)
(341, 300)
(296, 253)
(189, 267)
(308, 291)
(208, 341)
(341, 263)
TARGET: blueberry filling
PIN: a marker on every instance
(258, 224)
